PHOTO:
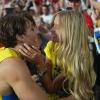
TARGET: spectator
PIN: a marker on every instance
(46, 17)
(76, 5)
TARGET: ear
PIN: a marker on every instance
(19, 38)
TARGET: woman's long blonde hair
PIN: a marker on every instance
(74, 54)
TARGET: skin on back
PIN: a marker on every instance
(18, 77)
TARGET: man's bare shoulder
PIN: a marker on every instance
(12, 62)
(12, 67)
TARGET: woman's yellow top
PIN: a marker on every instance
(49, 51)
(51, 55)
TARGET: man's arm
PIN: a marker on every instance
(16, 74)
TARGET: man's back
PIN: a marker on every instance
(5, 89)
(14, 75)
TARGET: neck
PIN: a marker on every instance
(16, 47)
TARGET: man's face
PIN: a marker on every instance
(44, 10)
(74, 4)
(30, 37)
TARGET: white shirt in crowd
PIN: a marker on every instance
(47, 18)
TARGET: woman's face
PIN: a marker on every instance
(44, 10)
(55, 29)
(30, 37)
(56, 24)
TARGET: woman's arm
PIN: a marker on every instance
(34, 55)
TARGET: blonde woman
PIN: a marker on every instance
(73, 55)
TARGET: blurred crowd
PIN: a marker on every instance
(43, 10)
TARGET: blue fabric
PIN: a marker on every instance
(10, 97)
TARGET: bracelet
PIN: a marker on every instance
(42, 73)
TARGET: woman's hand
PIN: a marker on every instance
(30, 53)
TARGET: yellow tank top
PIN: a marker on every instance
(6, 52)
(51, 56)
(48, 51)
